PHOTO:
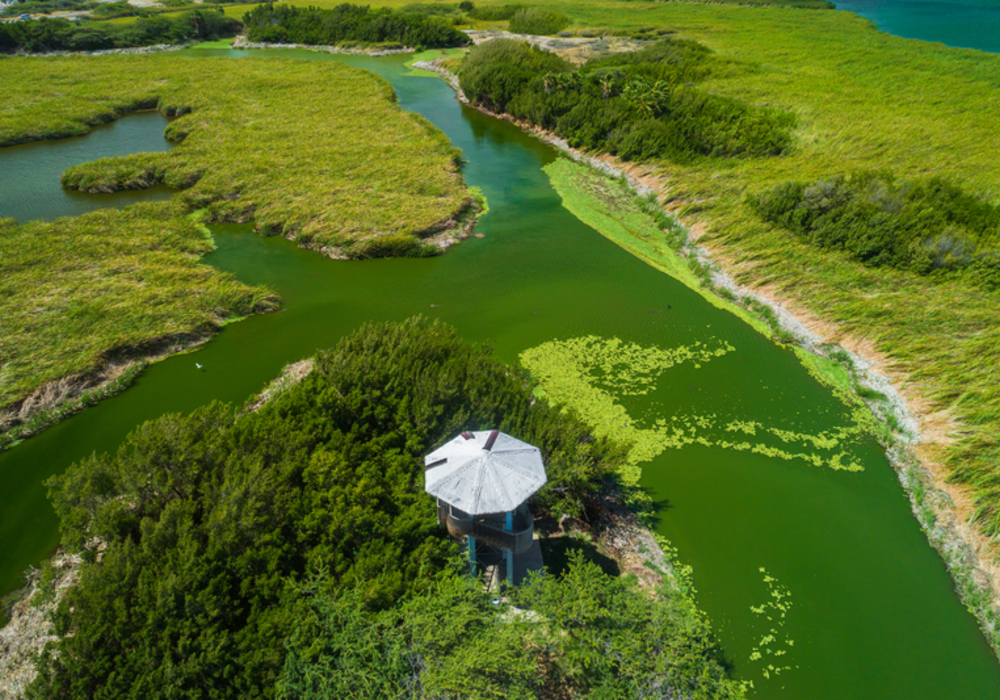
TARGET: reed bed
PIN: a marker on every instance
(318, 152)
(80, 294)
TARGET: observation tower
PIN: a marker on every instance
(482, 481)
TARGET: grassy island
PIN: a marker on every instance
(84, 298)
(317, 152)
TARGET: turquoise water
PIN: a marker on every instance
(971, 24)
(873, 614)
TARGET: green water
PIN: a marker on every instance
(30, 172)
(873, 611)
(971, 24)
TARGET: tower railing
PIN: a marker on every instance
(491, 528)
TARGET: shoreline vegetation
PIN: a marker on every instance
(924, 438)
(119, 303)
(361, 592)
(48, 35)
(233, 163)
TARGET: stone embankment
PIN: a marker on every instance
(154, 48)
(242, 43)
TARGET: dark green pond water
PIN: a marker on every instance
(30, 172)
(971, 24)
(873, 613)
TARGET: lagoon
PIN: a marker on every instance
(970, 24)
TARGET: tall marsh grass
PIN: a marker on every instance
(316, 151)
(81, 293)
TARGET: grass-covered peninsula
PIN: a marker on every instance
(317, 152)
(84, 298)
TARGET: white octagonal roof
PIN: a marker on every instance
(484, 472)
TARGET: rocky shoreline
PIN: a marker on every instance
(153, 48)
(969, 555)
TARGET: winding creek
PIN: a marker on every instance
(865, 608)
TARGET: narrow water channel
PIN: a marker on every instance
(868, 610)
(30, 185)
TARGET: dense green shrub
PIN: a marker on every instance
(212, 527)
(595, 636)
(926, 227)
(638, 105)
(281, 23)
(63, 35)
(120, 8)
(533, 20)
(433, 9)
(495, 72)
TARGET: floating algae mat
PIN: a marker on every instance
(874, 613)
(593, 376)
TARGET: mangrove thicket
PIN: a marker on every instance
(348, 24)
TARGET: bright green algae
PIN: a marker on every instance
(591, 375)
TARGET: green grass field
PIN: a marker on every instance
(316, 151)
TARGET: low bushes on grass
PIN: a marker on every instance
(354, 24)
(930, 227)
(533, 20)
(495, 13)
(639, 105)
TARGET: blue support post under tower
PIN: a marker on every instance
(509, 553)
